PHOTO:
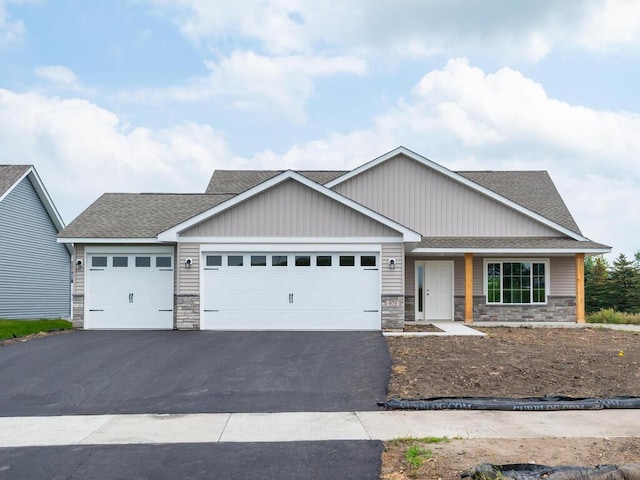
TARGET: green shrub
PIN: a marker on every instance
(21, 328)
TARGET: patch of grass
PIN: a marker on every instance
(611, 316)
(412, 440)
(21, 328)
(415, 455)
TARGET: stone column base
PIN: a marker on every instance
(392, 311)
(77, 313)
(187, 312)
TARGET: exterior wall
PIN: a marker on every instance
(290, 210)
(434, 205)
(560, 305)
(35, 270)
(557, 309)
(187, 284)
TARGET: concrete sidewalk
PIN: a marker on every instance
(311, 426)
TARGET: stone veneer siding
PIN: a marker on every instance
(409, 308)
(187, 308)
(392, 311)
(557, 309)
(77, 314)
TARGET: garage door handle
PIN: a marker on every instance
(166, 310)
(95, 310)
(371, 311)
(131, 298)
(211, 310)
(291, 298)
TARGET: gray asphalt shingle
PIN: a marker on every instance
(508, 242)
(9, 174)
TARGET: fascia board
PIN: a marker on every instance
(171, 234)
(458, 178)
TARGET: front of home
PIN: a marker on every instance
(398, 239)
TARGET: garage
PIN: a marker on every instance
(290, 291)
(129, 289)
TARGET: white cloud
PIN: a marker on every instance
(255, 82)
(382, 30)
(82, 150)
(59, 75)
(11, 31)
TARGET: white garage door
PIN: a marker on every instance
(291, 291)
(129, 290)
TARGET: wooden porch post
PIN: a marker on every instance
(468, 288)
(580, 288)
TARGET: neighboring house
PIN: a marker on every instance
(35, 270)
(398, 239)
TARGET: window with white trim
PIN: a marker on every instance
(516, 281)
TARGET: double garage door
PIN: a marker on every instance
(129, 290)
(291, 291)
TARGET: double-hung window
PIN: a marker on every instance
(517, 281)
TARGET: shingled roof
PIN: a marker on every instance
(502, 243)
(9, 175)
(138, 215)
(238, 181)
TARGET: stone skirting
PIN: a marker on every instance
(77, 314)
(557, 309)
(187, 308)
(409, 308)
(392, 311)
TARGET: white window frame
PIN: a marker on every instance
(547, 279)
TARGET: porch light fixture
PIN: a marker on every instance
(78, 264)
(187, 263)
(392, 263)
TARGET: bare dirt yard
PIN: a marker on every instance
(514, 362)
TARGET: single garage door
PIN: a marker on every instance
(291, 291)
(129, 290)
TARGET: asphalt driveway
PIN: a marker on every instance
(111, 372)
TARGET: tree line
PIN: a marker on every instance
(615, 286)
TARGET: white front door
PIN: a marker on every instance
(434, 290)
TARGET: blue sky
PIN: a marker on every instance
(153, 95)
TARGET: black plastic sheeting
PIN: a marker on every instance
(526, 471)
(546, 403)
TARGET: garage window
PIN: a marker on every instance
(323, 260)
(303, 261)
(279, 260)
(120, 261)
(258, 260)
(163, 262)
(143, 261)
(99, 261)
(368, 261)
(234, 260)
(214, 260)
(347, 261)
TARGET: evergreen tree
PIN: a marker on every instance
(596, 280)
(625, 284)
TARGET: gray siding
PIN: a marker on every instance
(290, 209)
(188, 281)
(563, 276)
(434, 205)
(392, 280)
(35, 270)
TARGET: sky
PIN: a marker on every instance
(153, 95)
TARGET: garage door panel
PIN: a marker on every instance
(295, 296)
(136, 296)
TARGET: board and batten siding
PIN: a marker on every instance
(290, 209)
(392, 280)
(428, 202)
(188, 279)
(35, 270)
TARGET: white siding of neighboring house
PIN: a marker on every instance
(35, 270)
(290, 209)
(428, 202)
